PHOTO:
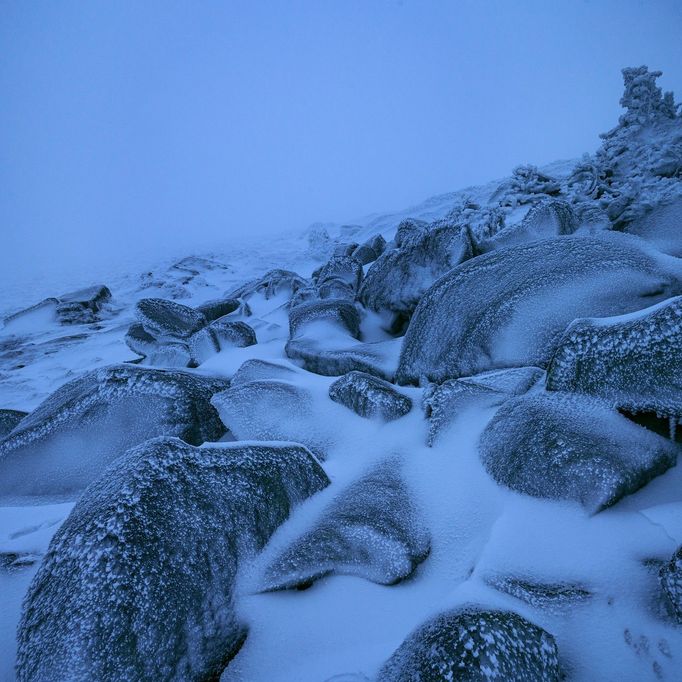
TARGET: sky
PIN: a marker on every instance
(142, 127)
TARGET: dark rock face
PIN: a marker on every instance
(212, 310)
(370, 530)
(68, 440)
(82, 306)
(261, 370)
(671, 580)
(398, 279)
(445, 402)
(9, 419)
(138, 584)
(475, 644)
(345, 268)
(564, 446)
(232, 334)
(339, 313)
(508, 308)
(370, 250)
(634, 361)
(162, 318)
(369, 396)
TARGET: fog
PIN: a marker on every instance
(148, 128)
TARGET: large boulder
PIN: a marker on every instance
(370, 250)
(508, 308)
(212, 310)
(563, 446)
(346, 268)
(342, 314)
(138, 584)
(371, 530)
(477, 645)
(82, 306)
(671, 580)
(261, 370)
(370, 396)
(661, 225)
(68, 440)
(634, 361)
(397, 280)
(162, 318)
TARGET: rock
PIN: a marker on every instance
(9, 419)
(334, 287)
(82, 306)
(345, 249)
(661, 226)
(212, 310)
(634, 361)
(397, 280)
(232, 334)
(261, 370)
(475, 643)
(562, 446)
(370, 530)
(271, 284)
(444, 403)
(369, 396)
(138, 584)
(161, 318)
(671, 580)
(555, 598)
(410, 232)
(201, 346)
(508, 308)
(345, 268)
(139, 341)
(68, 440)
(341, 314)
(270, 410)
(370, 250)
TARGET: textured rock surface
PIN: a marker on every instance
(634, 361)
(9, 419)
(369, 396)
(68, 440)
(476, 645)
(562, 446)
(671, 580)
(270, 284)
(371, 530)
(82, 306)
(339, 313)
(212, 310)
(346, 268)
(555, 598)
(508, 308)
(261, 370)
(138, 582)
(162, 318)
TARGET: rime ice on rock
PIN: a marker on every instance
(563, 446)
(138, 584)
(9, 419)
(212, 310)
(162, 318)
(371, 530)
(477, 644)
(370, 250)
(369, 396)
(271, 284)
(341, 313)
(555, 598)
(445, 402)
(634, 361)
(508, 308)
(346, 268)
(261, 370)
(671, 580)
(68, 440)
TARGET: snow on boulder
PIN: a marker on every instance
(370, 250)
(162, 318)
(444, 403)
(508, 308)
(342, 314)
(475, 643)
(370, 530)
(671, 580)
(260, 370)
(397, 280)
(343, 267)
(218, 335)
(634, 361)
(82, 306)
(9, 419)
(563, 446)
(369, 396)
(212, 310)
(68, 440)
(662, 224)
(271, 284)
(138, 584)
(334, 287)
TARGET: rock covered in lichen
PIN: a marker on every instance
(370, 396)
(138, 584)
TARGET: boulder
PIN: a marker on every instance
(555, 598)
(212, 310)
(341, 314)
(346, 268)
(671, 580)
(162, 318)
(70, 438)
(475, 644)
(270, 285)
(508, 308)
(139, 582)
(370, 250)
(261, 370)
(9, 419)
(562, 446)
(82, 306)
(369, 396)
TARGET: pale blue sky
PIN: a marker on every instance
(158, 123)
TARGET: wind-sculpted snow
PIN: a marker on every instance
(9, 419)
(475, 644)
(268, 410)
(67, 441)
(340, 313)
(671, 580)
(562, 446)
(370, 396)
(634, 361)
(398, 279)
(371, 530)
(508, 308)
(138, 584)
(444, 403)
(660, 226)
(262, 370)
(162, 318)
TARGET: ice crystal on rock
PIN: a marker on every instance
(369, 396)
(335, 312)
(270, 284)
(477, 644)
(138, 584)
(370, 250)
(212, 310)
(554, 598)
(261, 370)
(346, 268)
(9, 419)
(671, 580)
(162, 318)
(562, 446)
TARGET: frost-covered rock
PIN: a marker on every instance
(344, 249)
(477, 644)
(68, 440)
(270, 285)
(508, 308)
(9, 419)
(212, 310)
(410, 231)
(397, 280)
(555, 598)
(346, 268)
(369, 396)
(342, 314)
(268, 410)
(82, 306)
(232, 333)
(138, 584)
(370, 250)
(334, 287)
(262, 370)
(140, 341)
(162, 318)
(562, 446)
(371, 530)
(634, 361)
(671, 580)
(661, 226)
(444, 403)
